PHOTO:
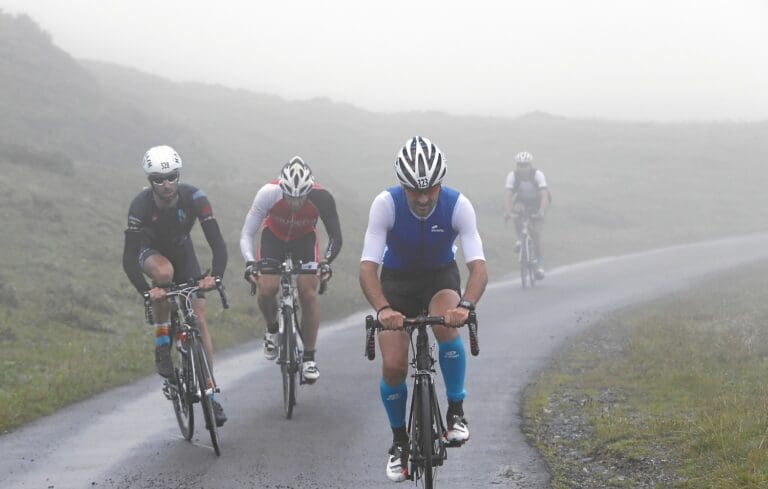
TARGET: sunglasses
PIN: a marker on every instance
(160, 179)
(291, 198)
(431, 191)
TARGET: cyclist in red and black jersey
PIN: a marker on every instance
(286, 210)
(157, 243)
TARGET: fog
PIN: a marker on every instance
(85, 90)
(652, 60)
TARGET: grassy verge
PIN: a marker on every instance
(671, 394)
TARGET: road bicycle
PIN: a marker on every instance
(192, 380)
(427, 449)
(290, 344)
(527, 256)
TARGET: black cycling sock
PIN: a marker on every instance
(273, 328)
(308, 356)
(399, 434)
(456, 407)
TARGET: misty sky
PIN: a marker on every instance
(651, 59)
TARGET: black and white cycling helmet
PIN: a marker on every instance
(296, 178)
(161, 160)
(524, 157)
(420, 164)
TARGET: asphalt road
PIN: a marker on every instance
(128, 438)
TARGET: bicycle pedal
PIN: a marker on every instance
(167, 391)
(454, 444)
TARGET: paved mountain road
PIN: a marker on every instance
(127, 437)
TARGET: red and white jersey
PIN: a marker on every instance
(272, 211)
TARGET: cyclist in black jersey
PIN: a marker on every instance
(157, 244)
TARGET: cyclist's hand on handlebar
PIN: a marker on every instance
(391, 319)
(251, 275)
(324, 271)
(157, 294)
(207, 283)
(456, 316)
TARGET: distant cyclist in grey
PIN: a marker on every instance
(527, 196)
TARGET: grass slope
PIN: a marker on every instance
(667, 394)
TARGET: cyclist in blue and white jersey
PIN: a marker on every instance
(411, 232)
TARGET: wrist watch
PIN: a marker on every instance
(466, 304)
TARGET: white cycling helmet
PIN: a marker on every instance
(420, 164)
(161, 160)
(524, 157)
(296, 178)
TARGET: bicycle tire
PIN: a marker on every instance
(288, 363)
(183, 396)
(531, 266)
(426, 434)
(205, 397)
(524, 264)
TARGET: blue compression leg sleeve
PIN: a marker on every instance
(394, 399)
(453, 365)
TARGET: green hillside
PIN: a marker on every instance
(72, 134)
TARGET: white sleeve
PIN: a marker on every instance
(465, 222)
(541, 182)
(380, 220)
(510, 180)
(266, 197)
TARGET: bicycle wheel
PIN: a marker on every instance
(532, 264)
(203, 378)
(288, 363)
(182, 395)
(524, 264)
(426, 435)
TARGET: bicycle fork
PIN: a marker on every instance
(290, 339)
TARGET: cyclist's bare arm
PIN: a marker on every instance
(369, 282)
(478, 279)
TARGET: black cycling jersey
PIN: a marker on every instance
(167, 230)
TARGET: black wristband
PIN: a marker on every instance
(466, 304)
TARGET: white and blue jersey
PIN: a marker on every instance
(399, 240)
